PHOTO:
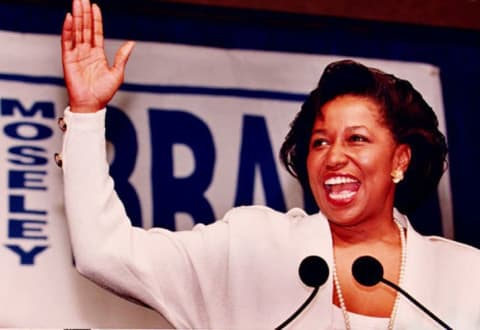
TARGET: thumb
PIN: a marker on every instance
(122, 56)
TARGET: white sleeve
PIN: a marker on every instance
(168, 271)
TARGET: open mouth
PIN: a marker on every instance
(341, 189)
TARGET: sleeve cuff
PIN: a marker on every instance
(85, 121)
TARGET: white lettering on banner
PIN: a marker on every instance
(26, 174)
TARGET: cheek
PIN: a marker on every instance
(379, 161)
(369, 162)
(376, 168)
(312, 170)
(309, 161)
(313, 164)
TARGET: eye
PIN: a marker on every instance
(357, 138)
(319, 142)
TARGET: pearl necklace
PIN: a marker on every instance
(400, 279)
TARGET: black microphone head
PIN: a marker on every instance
(313, 271)
(367, 270)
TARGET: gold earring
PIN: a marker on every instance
(397, 176)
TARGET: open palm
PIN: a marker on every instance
(91, 82)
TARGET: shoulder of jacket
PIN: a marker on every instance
(260, 211)
(453, 246)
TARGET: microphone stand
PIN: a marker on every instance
(299, 310)
(413, 300)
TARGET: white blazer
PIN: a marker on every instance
(241, 271)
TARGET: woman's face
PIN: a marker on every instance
(350, 160)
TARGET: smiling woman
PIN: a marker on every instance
(352, 154)
(397, 109)
(361, 134)
(359, 138)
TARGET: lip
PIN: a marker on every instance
(344, 197)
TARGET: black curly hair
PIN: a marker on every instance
(408, 116)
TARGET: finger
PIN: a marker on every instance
(67, 34)
(122, 56)
(87, 21)
(97, 26)
(77, 22)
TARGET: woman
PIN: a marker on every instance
(363, 142)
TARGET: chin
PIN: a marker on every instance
(339, 215)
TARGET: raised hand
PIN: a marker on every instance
(91, 82)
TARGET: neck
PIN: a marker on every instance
(379, 230)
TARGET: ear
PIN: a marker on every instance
(402, 157)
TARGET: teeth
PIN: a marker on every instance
(342, 195)
(339, 180)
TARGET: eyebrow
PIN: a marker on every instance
(319, 131)
(350, 128)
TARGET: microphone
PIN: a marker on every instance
(368, 271)
(313, 272)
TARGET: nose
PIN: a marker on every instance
(336, 157)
